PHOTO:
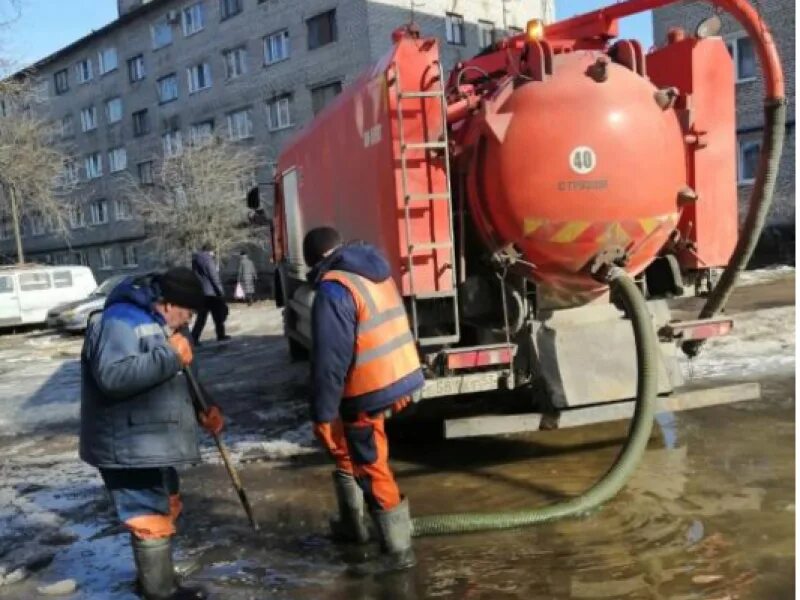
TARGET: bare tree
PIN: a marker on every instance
(33, 185)
(198, 197)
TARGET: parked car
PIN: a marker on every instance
(75, 316)
(28, 292)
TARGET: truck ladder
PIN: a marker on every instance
(410, 199)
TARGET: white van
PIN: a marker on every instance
(27, 292)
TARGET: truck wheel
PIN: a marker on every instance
(297, 352)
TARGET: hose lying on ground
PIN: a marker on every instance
(617, 476)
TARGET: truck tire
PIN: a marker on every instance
(297, 352)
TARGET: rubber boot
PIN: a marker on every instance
(394, 529)
(351, 523)
(156, 574)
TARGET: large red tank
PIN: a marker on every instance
(582, 161)
(495, 192)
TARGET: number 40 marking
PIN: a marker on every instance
(582, 160)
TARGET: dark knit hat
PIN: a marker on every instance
(179, 285)
(317, 242)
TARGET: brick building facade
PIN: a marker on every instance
(167, 71)
(778, 239)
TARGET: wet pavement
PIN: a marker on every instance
(709, 514)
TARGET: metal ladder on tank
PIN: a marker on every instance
(410, 199)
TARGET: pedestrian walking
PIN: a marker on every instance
(205, 267)
(247, 277)
(364, 364)
(137, 417)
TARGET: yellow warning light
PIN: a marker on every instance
(534, 30)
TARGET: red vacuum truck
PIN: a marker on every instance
(505, 192)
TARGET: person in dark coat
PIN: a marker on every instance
(205, 267)
(247, 277)
(137, 417)
(364, 366)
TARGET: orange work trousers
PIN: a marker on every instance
(147, 501)
(360, 448)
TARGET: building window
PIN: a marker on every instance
(173, 146)
(61, 79)
(744, 58)
(93, 163)
(145, 172)
(485, 33)
(514, 30)
(202, 132)
(199, 77)
(167, 88)
(89, 118)
(37, 225)
(228, 8)
(98, 212)
(79, 258)
(161, 32)
(141, 123)
(276, 47)
(130, 257)
(6, 229)
(749, 154)
(193, 19)
(67, 126)
(136, 70)
(117, 160)
(70, 171)
(235, 62)
(122, 209)
(454, 29)
(278, 113)
(76, 217)
(321, 29)
(240, 124)
(114, 110)
(105, 258)
(107, 60)
(83, 70)
(322, 94)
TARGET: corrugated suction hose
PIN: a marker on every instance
(616, 477)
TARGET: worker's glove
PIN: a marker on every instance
(397, 406)
(212, 420)
(182, 348)
(324, 434)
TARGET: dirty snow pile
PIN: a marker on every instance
(762, 344)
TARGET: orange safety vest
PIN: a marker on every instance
(385, 348)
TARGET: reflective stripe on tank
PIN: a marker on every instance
(384, 349)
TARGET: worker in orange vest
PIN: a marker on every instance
(365, 365)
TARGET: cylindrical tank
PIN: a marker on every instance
(585, 164)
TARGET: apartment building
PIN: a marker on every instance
(778, 239)
(168, 72)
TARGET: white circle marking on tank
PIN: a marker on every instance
(582, 160)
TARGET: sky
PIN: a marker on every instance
(639, 27)
(47, 25)
(44, 26)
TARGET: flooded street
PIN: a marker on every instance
(708, 515)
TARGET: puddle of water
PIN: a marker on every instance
(708, 515)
